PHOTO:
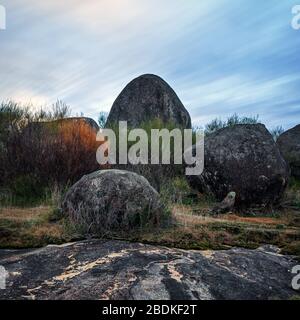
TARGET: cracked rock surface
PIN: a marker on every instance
(99, 269)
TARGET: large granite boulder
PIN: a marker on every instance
(115, 270)
(77, 122)
(289, 146)
(112, 200)
(243, 159)
(149, 102)
(146, 98)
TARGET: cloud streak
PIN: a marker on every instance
(220, 57)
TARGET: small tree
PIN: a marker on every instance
(102, 119)
(60, 110)
(276, 132)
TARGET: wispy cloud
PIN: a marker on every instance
(220, 56)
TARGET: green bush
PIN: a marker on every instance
(156, 174)
(27, 189)
(102, 118)
(293, 192)
(177, 191)
(276, 132)
(233, 120)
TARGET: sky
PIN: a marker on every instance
(220, 56)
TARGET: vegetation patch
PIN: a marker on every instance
(31, 228)
(39, 226)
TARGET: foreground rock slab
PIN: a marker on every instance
(119, 270)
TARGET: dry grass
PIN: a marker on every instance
(189, 215)
(23, 215)
(30, 227)
(193, 227)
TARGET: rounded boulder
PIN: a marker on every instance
(244, 159)
(112, 200)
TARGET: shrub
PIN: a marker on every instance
(27, 188)
(156, 174)
(177, 191)
(102, 119)
(235, 119)
(43, 149)
(276, 132)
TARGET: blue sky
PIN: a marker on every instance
(220, 56)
